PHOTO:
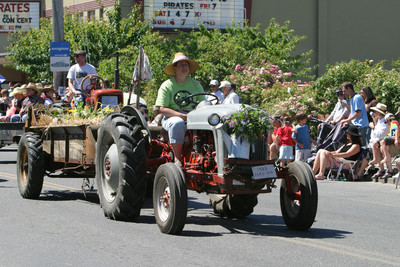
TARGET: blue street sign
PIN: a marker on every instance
(59, 56)
(59, 49)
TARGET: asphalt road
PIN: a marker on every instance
(357, 224)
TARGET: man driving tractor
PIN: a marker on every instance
(76, 74)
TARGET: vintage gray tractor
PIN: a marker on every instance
(128, 151)
(126, 155)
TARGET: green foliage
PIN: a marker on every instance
(218, 53)
(100, 38)
(249, 123)
(384, 83)
(30, 51)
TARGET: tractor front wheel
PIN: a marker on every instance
(299, 207)
(170, 199)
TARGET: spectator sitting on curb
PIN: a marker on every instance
(349, 151)
(390, 146)
(381, 129)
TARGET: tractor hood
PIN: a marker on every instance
(198, 118)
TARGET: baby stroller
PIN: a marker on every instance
(335, 139)
(332, 141)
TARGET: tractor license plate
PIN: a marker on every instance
(263, 171)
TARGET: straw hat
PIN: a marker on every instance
(48, 88)
(193, 65)
(39, 86)
(381, 108)
(32, 86)
(18, 91)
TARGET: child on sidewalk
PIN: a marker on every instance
(301, 136)
(284, 138)
(392, 139)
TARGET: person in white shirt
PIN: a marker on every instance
(230, 96)
(214, 90)
(381, 129)
(340, 111)
(76, 74)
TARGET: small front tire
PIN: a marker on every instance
(299, 210)
(170, 199)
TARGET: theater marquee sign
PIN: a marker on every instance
(16, 16)
(186, 14)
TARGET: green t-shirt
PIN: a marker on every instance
(169, 88)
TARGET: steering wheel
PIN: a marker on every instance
(93, 83)
(184, 98)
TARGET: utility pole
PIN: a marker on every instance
(58, 36)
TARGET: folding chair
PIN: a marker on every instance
(352, 169)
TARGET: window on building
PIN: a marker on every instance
(101, 12)
(91, 15)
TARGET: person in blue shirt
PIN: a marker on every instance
(301, 136)
(358, 114)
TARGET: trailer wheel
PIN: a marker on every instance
(233, 206)
(120, 167)
(170, 199)
(30, 166)
(299, 210)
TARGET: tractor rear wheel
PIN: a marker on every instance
(120, 167)
(233, 206)
(300, 208)
(30, 166)
(170, 199)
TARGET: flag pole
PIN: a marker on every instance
(140, 75)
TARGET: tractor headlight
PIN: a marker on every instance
(214, 119)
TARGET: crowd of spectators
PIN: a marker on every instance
(19, 98)
(372, 136)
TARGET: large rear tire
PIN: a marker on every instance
(299, 210)
(233, 206)
(30, 166)
(120, 167)
(170, 199)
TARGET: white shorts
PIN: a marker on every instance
(286, 152)
(303, 154)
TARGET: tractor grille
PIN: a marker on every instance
(259, 151)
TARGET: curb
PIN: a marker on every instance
(391, 180)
